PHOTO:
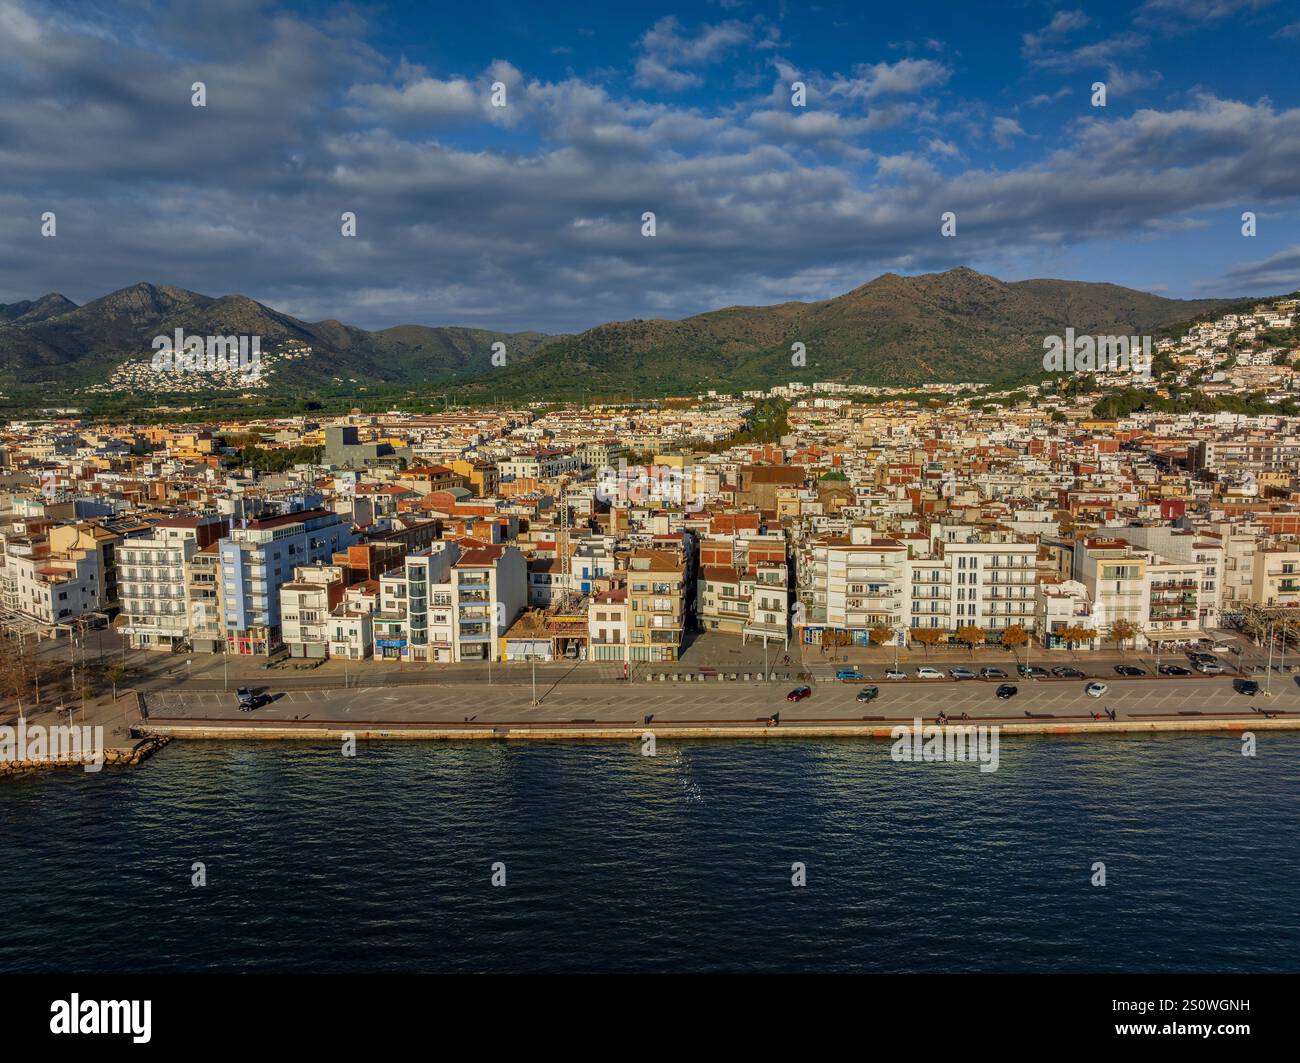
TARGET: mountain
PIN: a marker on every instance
(54, 340)
(29, 311)
(935, 327)
(953, 326)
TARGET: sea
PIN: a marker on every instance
(1172, 853)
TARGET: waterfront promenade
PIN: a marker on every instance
(717, 708)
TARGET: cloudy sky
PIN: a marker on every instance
(529, 215)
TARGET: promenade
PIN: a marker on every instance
(717, 708)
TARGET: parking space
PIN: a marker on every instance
(730, 701)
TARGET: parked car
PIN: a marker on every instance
(894, 673)
(1006, 690)
(1209, 668)
(798, 694)
(1248, 687)
(1032, 671)
(1095, 690)
(992, 673)
(1064, 671)
(926, 672)
(1129, 670)
(850, 674)
(248, 700)
(868, 694)
(962, 673)
(1174, 669)
(1204, 658)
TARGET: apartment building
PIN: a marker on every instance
(607, 625)
(154, 576)
(1275, 576)
(351, 626)
(989, 585)
(203, 600)
(49, 587)
(306, 604)
(1114, 574)
(487, 590)
(414, 618)
(656, 600)
(258, 558)
(852, 584)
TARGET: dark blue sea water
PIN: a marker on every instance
(619, 862)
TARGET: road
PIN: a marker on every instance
(715, 701)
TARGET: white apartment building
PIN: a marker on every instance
(487, 590)
(413, 621)
(306, 604)
(852, 584)
(990, 585)
(1206, 553)
(50, 588)
(351, 627)
(1275, 578)
(154, 580)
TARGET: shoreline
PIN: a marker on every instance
(220, 730)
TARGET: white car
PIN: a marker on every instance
(928, 673)
(894, 673)
(1095, 690)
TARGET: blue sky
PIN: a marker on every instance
(529, 215)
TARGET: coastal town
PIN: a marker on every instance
(808, 523)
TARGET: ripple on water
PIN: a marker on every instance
(617, 861)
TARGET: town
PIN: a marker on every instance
(825, 529)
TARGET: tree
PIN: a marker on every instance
(929, 636)
(1122, 630)
(880, 634)
(1074, 634)
(971, 635)
(1013, 638)
(115, 673)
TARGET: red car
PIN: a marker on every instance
(798, 694)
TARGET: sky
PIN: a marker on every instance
(530, 215)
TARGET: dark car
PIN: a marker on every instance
(798, 694)
(1174, 669)
(1064, 671)
(1128, 669)
(1249, 687)
(868, 693)
(1032, 671)
(253, 701)
(992, 673)
(1006, 690)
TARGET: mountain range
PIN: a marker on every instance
(936, 327)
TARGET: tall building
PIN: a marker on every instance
(258, 558)
(155, 578)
